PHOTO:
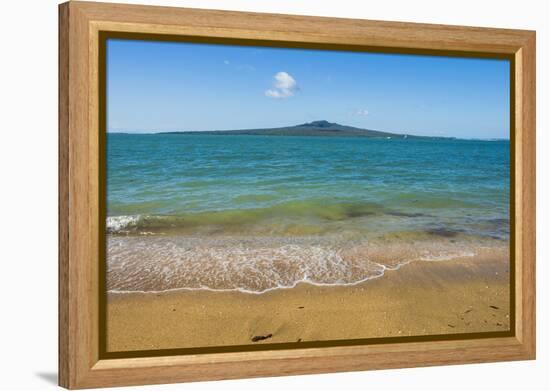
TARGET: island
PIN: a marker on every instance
(316, 128)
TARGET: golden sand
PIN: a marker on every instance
(421, 298)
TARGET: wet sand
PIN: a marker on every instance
(467, 295)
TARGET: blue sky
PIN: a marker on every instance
(160, 86)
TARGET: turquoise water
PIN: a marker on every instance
(255, 183)
(181, 199)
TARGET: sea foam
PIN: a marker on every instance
(255, 265)
(116, 224)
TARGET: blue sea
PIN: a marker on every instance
(255, 213)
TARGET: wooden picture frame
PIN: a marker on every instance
(81, 25)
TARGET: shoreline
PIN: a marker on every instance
(257, 265)
(420, 298)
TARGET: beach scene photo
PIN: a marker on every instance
(263, 195)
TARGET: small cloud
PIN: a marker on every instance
(284, 86)
(246, 67)
(239, 67)
(362, 112)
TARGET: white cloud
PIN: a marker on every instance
(239, 67)
(284, 86)
(362, 112)
(246, 67)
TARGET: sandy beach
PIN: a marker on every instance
(293, 215)
(464, 295)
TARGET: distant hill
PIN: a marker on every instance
(315, 128)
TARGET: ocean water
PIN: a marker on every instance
(255, 213)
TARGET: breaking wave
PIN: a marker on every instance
(256, 265)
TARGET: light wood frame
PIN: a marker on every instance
(80, 24)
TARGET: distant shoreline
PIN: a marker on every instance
(315, 128)
(311, 129)
(223, 133)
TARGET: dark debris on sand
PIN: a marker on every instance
(257, 338)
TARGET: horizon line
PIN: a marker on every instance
(149, 132)
(122, 131)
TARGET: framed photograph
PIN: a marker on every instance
(248, 195)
